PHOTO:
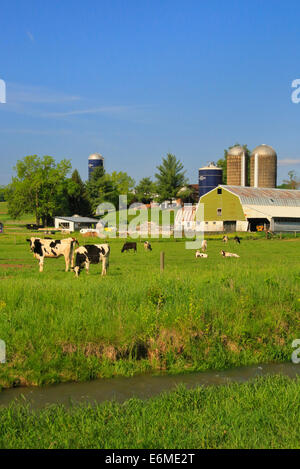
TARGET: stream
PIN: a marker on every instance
(141, 386)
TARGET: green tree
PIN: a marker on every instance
(77, 196)
(185, 194)
(2, 193)
(39, 187)
(124, 183)
(101, 188)
(292, 182)
(105, 187)
(170, 177)
(145, 191)
(222, 163)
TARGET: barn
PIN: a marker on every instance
(236, 208)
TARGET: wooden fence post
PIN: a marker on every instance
(162, 261)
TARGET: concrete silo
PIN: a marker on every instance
(95, 160)
(263, 167)
(237, 164)
(209, 177)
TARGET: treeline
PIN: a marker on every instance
(46, 188)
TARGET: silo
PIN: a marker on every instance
(209, 177)
(95, 160)
(263, 167)
(237, 166)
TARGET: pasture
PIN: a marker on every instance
(200, 314)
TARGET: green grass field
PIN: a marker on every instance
(199, 314)
(260, 414)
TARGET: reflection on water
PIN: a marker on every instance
(142, 386)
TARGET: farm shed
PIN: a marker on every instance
(236, 208)
(75, 223)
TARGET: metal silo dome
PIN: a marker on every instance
(96, 156)
(236, 151)
(263, 167)
(264, 150)
(237, 166)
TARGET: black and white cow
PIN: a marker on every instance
(91, 254)
(42, 248)
(128, 246)
(228, 254)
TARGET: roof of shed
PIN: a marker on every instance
(265, 196)
(79, 219)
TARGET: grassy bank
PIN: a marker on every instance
(259, 414)
(200, 314)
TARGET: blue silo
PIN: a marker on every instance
(209, 177)
(95, 160)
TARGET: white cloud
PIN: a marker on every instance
(77, 112)
(288, 161)
(19, 94)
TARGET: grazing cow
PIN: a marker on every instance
(42, 248)
(225, 239)
(91, 254)
(228, 254)
(147, 246)
(237, 240)
(204, 245)
(128, 246)
(200, 254)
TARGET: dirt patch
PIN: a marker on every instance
(90, 235)
(15, 266)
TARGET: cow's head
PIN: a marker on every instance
(76, 270)
(75, 241)
(79, 264)
(31, 243)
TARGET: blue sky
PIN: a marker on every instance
(136, 79)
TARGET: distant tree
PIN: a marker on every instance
(77, 196)
(185, 194)
(124, 183)
(145, 191)
(105, 187)
(292, 182)
(222, 162)
(39, 187)
(170, 178)
(100, 188)
(2, 193)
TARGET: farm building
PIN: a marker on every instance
(236, 208)
(74, 223)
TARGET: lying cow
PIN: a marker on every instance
(200, 254)
(91, 254)
(42, 248)
(147, 246)
(228, 254)
(128, 246)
